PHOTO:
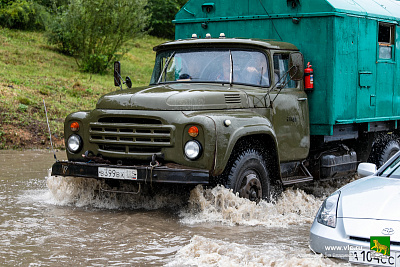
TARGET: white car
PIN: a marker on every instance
(360, 222)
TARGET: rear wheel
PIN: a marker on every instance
(383, 150)
(249, 176)
(391, 148)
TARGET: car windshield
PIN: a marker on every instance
(205, 65)
(393, 170)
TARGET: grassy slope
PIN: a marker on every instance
(31, 70)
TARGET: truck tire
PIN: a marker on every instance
(249, 176)
(386, 151)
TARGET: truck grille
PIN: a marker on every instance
(137, 136)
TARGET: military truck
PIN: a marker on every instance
(234, 111)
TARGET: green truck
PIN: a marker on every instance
(227, 102)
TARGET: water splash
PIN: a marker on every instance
(217, 205)
(82, 192)
(203, 251)
(222, 205)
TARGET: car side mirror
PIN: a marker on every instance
(296, 66)
(366, 169)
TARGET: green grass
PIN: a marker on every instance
(31, 70)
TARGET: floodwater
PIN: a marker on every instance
(52, 221)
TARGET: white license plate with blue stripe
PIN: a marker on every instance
(117, 173)
(374, 258)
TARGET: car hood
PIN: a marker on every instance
(179, 96)
(371, 198)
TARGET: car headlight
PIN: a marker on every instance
(74, 143)
(193, 149)
(327, 213)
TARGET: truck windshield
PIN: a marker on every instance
(205, 65)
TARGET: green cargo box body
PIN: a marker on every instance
(352, 84)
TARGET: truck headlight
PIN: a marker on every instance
(327, 213)
(193, 149)
(74, 143)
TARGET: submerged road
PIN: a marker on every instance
(52, 221)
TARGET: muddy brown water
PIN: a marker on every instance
(52, 221)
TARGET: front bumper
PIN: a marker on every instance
(338, 243)
(162, 174)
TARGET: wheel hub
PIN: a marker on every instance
(251, 189)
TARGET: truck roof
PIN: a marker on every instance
(230, 10)
(218, 42)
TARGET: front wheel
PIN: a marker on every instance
(249, 176)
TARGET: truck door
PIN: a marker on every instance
(290, 112)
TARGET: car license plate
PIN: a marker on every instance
(374, 258)
(116, 173)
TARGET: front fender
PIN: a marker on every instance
(242, 124)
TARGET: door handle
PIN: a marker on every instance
(302, 99)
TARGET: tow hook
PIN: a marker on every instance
(154, 162)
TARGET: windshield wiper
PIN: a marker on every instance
(261, 75)
(165, 67)
(231, 68)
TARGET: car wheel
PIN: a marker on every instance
(249, 176)
(384, 152)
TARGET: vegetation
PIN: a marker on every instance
(95, 31)
(36, 14)
(23, 14)
(31, 70)
(162, 12)
(92, 33)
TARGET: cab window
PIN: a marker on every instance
(281, 75)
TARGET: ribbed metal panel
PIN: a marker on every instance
(122, 137)
(232, 99)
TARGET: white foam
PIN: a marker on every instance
(203, 251)
(221, 205)
(217, 205)
(81, 192)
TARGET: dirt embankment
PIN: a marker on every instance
(27, 134)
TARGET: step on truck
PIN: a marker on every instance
(248, 112)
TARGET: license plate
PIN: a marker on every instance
(374, 258)
(116, 173)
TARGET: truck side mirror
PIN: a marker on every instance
(117, 73)
(296, 66)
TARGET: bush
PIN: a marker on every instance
(94, 31)
(162, 13)
(23, 15)
(52, 4)
(4, 3)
